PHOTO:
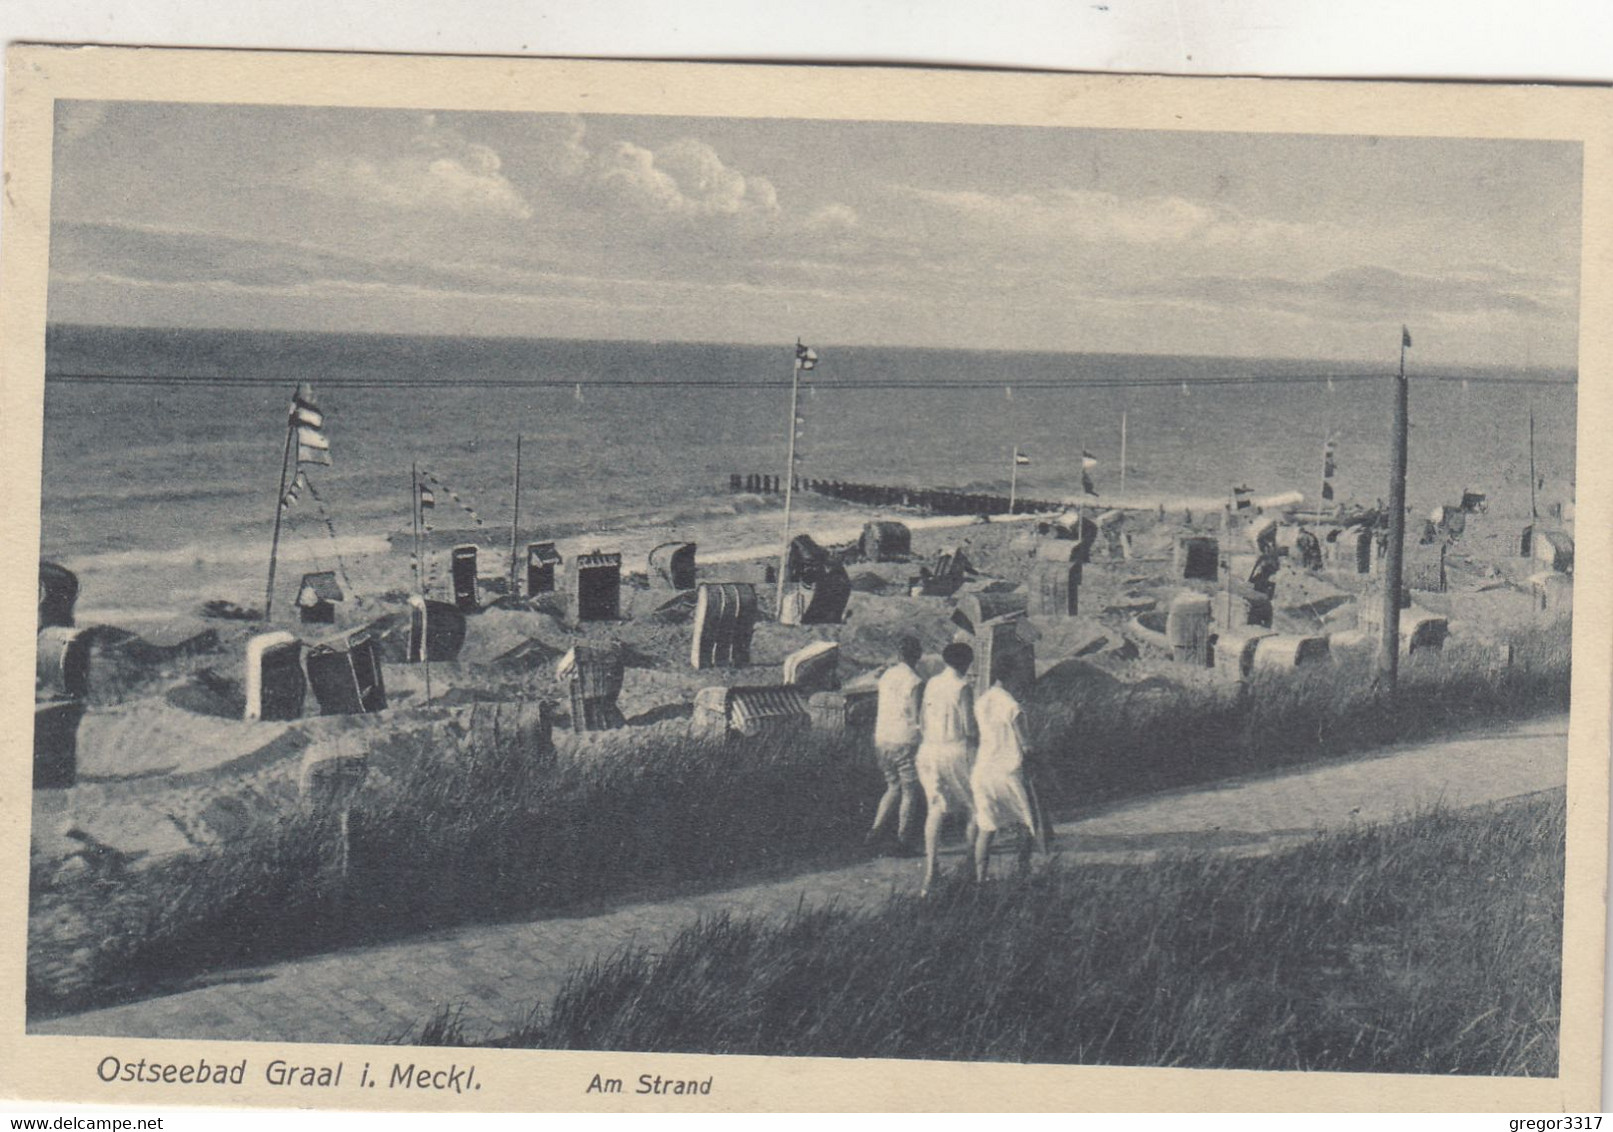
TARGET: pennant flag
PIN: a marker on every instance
(428, 498)
(805, 356)
(1405, 338)
(303, 415)
(1088, 460)
(294, 492)
(308, 455)
(312, 437)
(1021, 458)
(1242, 497)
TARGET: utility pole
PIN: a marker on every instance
(1395, 555)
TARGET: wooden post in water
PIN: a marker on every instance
(1395, 554)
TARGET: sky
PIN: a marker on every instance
(761, 231)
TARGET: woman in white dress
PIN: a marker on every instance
(1001, 794)
(946, 748)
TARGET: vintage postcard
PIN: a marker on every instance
(586, 585)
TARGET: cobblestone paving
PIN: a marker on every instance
(496, 973)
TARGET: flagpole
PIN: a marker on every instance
(279, 511)
(414, 518)
(515, 516)
(1013, 479)
(1394, 557)
(1534, 513)
(1122, 453)
(420, 571)
(789, 476)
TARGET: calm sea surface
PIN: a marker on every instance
(157, 470)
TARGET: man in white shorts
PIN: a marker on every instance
(1002, 796)
(946, 748)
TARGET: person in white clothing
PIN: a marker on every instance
(896, 740)
(1002, 796)
(946, 747)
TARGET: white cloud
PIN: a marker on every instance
(440, 171)
(686, 177)
(1082, 216)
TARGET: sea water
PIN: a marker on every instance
(178, 463)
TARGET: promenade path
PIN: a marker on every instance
(496, 972)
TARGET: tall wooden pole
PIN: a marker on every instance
(1013, 479)
(789, 476)
(420, 571)
(1534, 513)
(1122, 453)
(279, 510)
(414, 519)
(515, 517)
(1395, 555)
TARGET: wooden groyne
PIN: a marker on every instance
(937, 501)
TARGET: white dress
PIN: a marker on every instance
(998, 778)
(946, 745)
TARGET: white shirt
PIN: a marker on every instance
(897, 721)
(948, 714)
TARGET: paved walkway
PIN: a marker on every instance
(497, 972)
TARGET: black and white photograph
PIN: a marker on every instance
(689, 571)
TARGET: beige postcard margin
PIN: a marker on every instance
(63, 1069)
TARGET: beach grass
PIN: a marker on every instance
(503, 827)
(1428, 946)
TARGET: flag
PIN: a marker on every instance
(1241, 497)
(1086, 483)
(294, 491)
(805, 356)
(1088, 460)
(1327, 490)
(428, 498)
(1023, 459)
(309, 422)
(1405, 338)
(312, 446)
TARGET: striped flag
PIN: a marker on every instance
(313, 447)
(1022, 459)
(428, 498)
(1088, 460)
(805, 356)
(1242, 497)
